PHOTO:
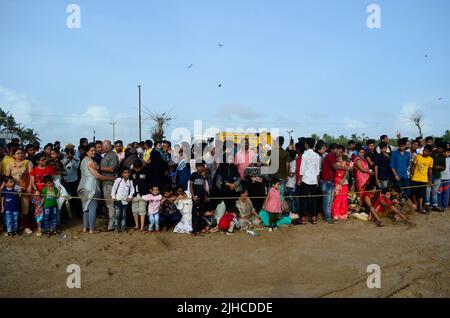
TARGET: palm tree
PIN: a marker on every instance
(30, 135)
(9, 125)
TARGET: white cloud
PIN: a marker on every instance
(68, 126)
(351, 123)
(238, 112)
(19, 105)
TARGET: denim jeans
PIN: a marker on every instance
(282, 188)
(432, 193)
(445, 194)
(327, 188)
(50, 218)
(11, 220)
(154, 221)
(402, 183)
(293, 200)
(89, 216)
(120, 216)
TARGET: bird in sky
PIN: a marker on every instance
(220, 45)
(220, 85)
(190, 66)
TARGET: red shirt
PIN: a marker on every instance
(328, 172)
(225, 221)
(39, 175)
(378, 205)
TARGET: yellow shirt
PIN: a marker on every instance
(7, 160)
(147, 155)
(422, 165)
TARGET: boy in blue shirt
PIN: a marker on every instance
(399, 165)
(10, 206)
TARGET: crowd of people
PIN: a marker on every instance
(171, 188)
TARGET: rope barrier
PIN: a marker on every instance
(216, 198)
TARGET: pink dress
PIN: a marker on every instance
(361, 178)
(273, 201)
(339, 209)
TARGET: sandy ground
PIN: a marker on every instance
(301, 261)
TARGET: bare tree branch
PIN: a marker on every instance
(160, 123)
(416, 118)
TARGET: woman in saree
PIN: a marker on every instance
(362, 171)
(339, 209)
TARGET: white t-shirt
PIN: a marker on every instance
(310, 167)
(291, 180)
(389, 149)
(445, 175)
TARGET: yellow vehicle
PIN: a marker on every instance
(255, 139)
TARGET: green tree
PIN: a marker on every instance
(446, 136)
(8, 124)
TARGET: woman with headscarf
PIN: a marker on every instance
(227, 183)
(158, 168)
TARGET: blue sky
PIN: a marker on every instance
(311, 66)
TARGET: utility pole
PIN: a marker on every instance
(140, 118)
(114, 131)
(289, 132)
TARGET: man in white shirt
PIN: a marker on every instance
(390, 148)
(309, 178)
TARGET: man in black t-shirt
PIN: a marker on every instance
(141, 182)
(370, 158)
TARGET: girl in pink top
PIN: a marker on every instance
(154, 201)
(272, 204)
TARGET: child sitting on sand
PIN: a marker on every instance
(169, 215)
(229, 221)
(386, 206)
(208, 222)
(401, 212)
(367, 199)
